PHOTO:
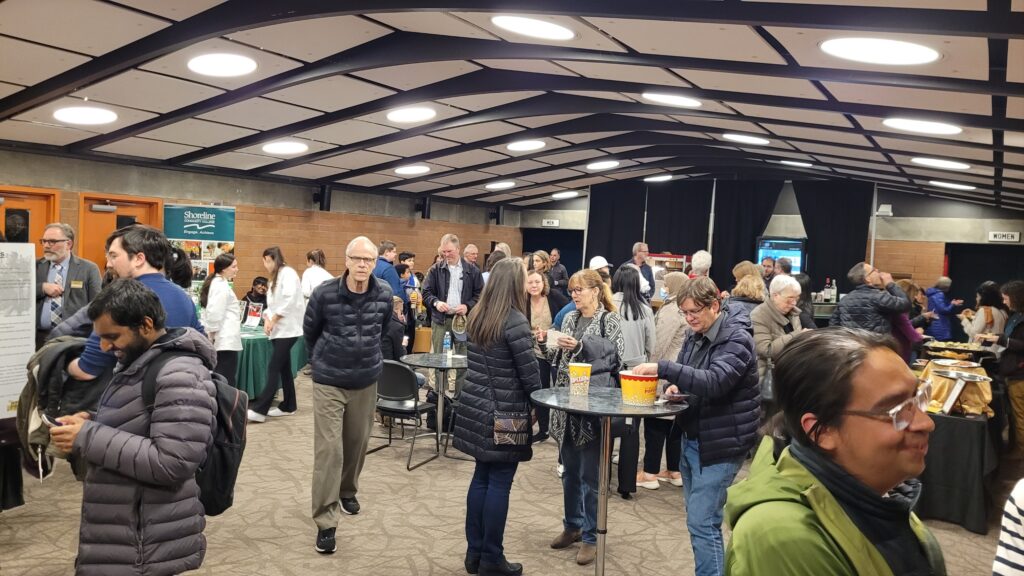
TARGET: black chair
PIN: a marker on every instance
(399, 399)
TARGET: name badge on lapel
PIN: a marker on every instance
(77, 284)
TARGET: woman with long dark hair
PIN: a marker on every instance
(283, 325)
(221, 316)
(990, 316)
(502, 373)
(179, 269)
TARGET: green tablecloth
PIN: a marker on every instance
(255, 357)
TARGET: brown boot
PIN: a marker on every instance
(586, 554)
(565, 539)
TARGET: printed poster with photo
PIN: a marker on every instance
(17, 321)
(203, 232)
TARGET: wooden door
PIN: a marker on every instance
(25, 212)
(115, 211)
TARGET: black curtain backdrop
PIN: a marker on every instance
(678, 213)
(615, 221)
(837, 218)
(742, 211)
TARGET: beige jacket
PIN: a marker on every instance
(769, 332)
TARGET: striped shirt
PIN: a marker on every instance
(1010, 552)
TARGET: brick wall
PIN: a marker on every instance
(921, 261)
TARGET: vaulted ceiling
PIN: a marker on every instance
(328, 73)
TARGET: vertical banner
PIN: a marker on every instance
(203, 232)
(17, 321)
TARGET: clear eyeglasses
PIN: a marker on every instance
(903, 413)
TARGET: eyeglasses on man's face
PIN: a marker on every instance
(49, 242)
(361, 259)
(902, 414)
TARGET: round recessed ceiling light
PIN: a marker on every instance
(526, 145)
(533, 27)
(503, 185)
(285, 148)
(222, 65)
(939, 163)
(566, 194)
(671, 100)
(879, 51)
(411, 114)
(951, 185)
(85, 115)
(658, 178)
(745, 139)
(796, 163)
(602, 165)
(412, 170)
(922, 126)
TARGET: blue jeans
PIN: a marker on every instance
(705, 490)
(487, 509)
(580, 486)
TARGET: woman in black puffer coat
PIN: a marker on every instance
(502, 373)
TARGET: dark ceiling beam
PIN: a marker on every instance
(998, 56)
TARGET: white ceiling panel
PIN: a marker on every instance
(733, 125)
(1014, 139)
(460, 193)
(499, 198)
(839, 151)
(347, 132)
(463, 178)
(1011, 158)
(535, 66)
(976, 135)
(553, 175)
(409, 76)
(623, 73)
(477, 102)
(470, 158)
(698, 40)
(911, 98)
(147, 91)
(536, 191)
(751, 83)
(872, 177)
(1015, 58)
(125, 116)
(370, 180)
(147, 148)
(330, 94)
(41, 133)
(604, 95)
(1018, 174)
(357, 160)
(949, 176)
(260, 113)
(915, 4)
(176, 63)
(822, 135)
(75, 24)
(27, 64)
(314, 146)
(930, 149)
(962, 56)
(8, 89)
(418, 187)
(515, 167)
(538, 121)
(443, 113)
(792, 114)
(314, 39)
(438, 23)
(634, 174)
(591, 180)
(581, 137)
(552, 144)
(311, 171)
(198, 133)
(176, 10)
(571, 157)
(586, 36)
(413, 146)
(237, 161)
(905, 160)
(477, 132)
(1015, 107)
(839, 162)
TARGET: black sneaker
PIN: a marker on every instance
(325, 543)
(350, 506)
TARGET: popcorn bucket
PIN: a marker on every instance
(579, 379)
(638, 390)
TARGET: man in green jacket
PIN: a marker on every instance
(837, 500)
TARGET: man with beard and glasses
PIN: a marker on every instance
(65, 283)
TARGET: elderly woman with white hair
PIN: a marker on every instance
(701, 263)
(776, 322)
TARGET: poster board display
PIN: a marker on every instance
(17, 321)
(203, 232)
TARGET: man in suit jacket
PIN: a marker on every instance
(64, 282)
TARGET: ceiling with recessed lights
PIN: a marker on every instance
(457, 100)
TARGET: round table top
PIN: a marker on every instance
(600, 402)
(439, 361)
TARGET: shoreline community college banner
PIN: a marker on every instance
(17, 322)
(203, 232)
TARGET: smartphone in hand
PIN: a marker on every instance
(50, 421)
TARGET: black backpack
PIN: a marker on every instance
(216, 476)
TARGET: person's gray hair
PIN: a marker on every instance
(782, 283)
(701, 262)
(68, 231)
(468, 246)
(858, 274)
(943, 283)
(449, 239)
(357, 240)
(637, 245)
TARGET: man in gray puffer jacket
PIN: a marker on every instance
(873, 303)
(140, 506)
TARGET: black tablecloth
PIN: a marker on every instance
(960, 458)
(10, 466)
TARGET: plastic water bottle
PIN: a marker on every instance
(447, 346)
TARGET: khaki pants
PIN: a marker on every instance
(1015, 390)
(437, 341)
(342, 421)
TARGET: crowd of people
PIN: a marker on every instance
(832, 417)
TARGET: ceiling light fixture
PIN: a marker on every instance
(939, 163)
(503, 185)
(672, 100)
(951, 185)
(222, 65)
(526, 145)
(411, 114)
(922, 126)
(412, 170)
(565, 195)
(285, 148)
(879, 51)
(85, 115)
(658, 178)
(796, 163)
(602, 165)
(745, 139)
(533, 27)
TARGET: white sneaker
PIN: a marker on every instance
(559, 470)
(275, 412)
(256, 417)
